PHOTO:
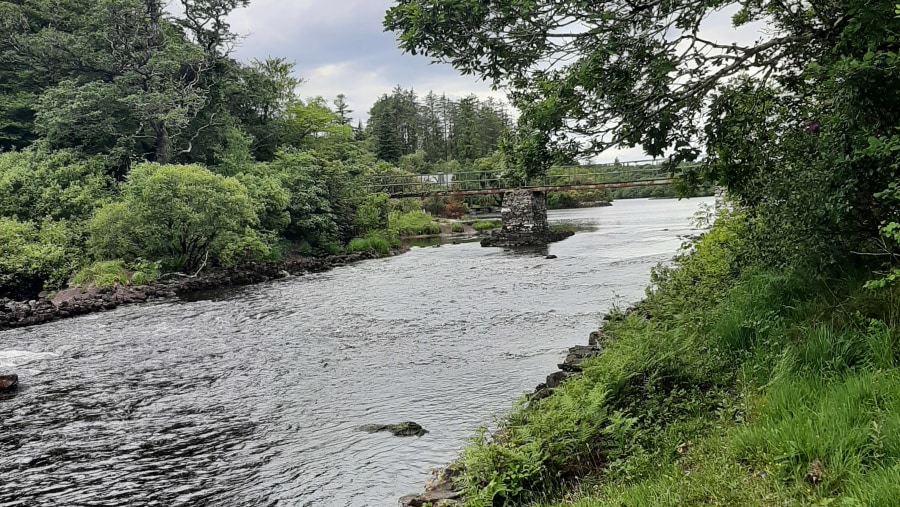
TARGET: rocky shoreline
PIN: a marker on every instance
(73, 302)
(442, 490)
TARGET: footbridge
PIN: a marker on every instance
(524, 205)
(587, 177)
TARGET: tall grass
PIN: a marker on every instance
(116, 272)
(375, 241)
(486, 225)
(412, 223)
(729, 386)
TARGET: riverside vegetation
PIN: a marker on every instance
(133, 146)
(763, 367)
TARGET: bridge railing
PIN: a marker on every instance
(487, 181)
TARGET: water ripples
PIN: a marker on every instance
(253, 396)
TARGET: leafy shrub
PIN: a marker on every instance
(185, 214)
(271, 200)
(144, 272)
(486, 225)
(456, 228)
(372, 242)
(455, 208)
(406, 205)
(372, 214)
(63, 185)
(414, 223)
(34, 257)
(101, 274)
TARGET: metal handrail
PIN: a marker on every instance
(480, 182)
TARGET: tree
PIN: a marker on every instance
(588, 76)
(124, 76)
(33, 257)
(788, 122)
(401, 125)
(183, 214)
(62, 185)
(342, 109)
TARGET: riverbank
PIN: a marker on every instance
(77, 301)
(247, 376)
(444, 488)
(731, 385)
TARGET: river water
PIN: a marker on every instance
(253, 396)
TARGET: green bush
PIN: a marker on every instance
(101, 274)
(183, 214)
(63, 185)
(33, 258)
(372, 242)
(486, 225)
(372, 213)
(413, 223)
(110, 273)
(457, 228)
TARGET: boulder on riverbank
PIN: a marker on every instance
(8, 382)
(576, 356)
(404, 429)
(440, 490)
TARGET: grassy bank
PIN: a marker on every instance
(730, 385)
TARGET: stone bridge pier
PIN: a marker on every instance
(524, 216)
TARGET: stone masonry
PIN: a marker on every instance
(524, 217)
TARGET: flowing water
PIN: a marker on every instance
(253, 396)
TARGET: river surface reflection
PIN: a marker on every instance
(252, 396)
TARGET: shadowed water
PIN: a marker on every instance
(253, 396)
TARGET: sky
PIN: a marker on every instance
(339, 46)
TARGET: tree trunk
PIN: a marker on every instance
(163, 145)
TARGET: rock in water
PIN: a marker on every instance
(373, 428)
(8, 382)
(404, 429)
(407, 429)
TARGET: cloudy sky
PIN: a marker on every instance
(339, 47)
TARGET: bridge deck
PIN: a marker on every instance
(606, 176)
(536, 188)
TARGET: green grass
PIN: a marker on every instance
(412, 223)
(375, 241)
(744, 387)
(111, 273)
(457, 228)
(101, 274)
(486, 225)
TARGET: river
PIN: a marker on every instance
(253, 396)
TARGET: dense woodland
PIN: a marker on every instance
(763, 368)
(132, 143)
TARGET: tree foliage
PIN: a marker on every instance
(789, 123)
(33, 257)
(183, 214)
(441, 129)
(36, 184)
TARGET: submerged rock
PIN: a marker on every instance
(8, 382)
(404, 429)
